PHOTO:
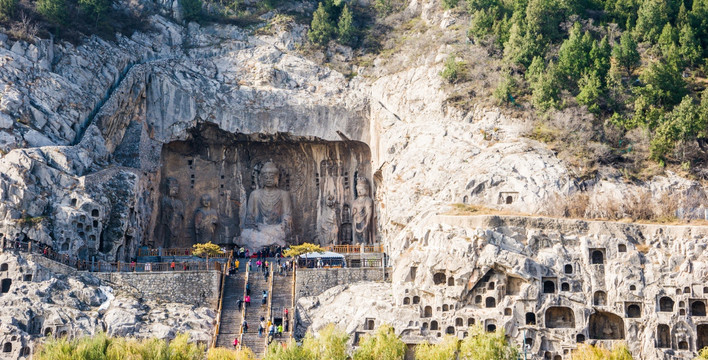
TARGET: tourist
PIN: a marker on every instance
(236, 264)
(239, 303)
(244, 326)
(132, 265)
(287, 324)
(271, 330)
(172, 265)
(248, 289)
(236, 342)
(148, 267)
(261, 327)
(280, 330)
(248, 300)
(265, 296)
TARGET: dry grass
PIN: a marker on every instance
(466, 210)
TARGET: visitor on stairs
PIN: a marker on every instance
(261, 327)
(265, 297)
(280, 330)
(244, 326)
(236, 342)
(236, 264)
(248, 300)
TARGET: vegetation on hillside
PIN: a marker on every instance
(638, 66)
(591, 352)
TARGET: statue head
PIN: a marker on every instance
(269, 174)
(172, 187)
(362, 187)
(206, 201)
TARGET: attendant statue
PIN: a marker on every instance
(268, 213)
(362, 210)
(329, 228)
(206, 220)
(172, 214)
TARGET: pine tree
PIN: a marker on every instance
(651, 18)
(690, 48)
(590, 92)
(574, 55)
(191, 9)
(53, 10)
(521, 46)
(321, 28)
(345, 28)
(668, 39)
(543, 18)
(95, 8)
(600, 57)
(546, 89)
(7, 9)
(625, 53)
(663, 84)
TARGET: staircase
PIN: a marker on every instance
(282, 299)
(230, 326)
(255, 312)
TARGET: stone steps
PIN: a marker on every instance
(255, 312)
(230, 312)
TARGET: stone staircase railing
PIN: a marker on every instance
(221, 298)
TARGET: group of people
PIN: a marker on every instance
(272, 329)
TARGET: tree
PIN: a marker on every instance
(330, 343)
(453, 70)
(382, 345)
(684, 123)
(663, 84)
(690, 49)
(590, 352)
(543, 18)
(321, 27)
(53, 10)
(345, 28)
(625, 53)
(574, 55)
(521, 46)
(207, 249)
(7, 9)
(546, 89)
(651, 18)
(481, 24)
(600, 57)
(703, 354)
(505, 89)
(96, 8)
(297, 250)
(191, 9)
(449, 4)
(445, 350)
(220, 353)
(668, 40)
(482, 345)
(590, 92)
(292, 351)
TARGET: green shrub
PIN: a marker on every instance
(95, 8)
(453, 70)
(482, 345)
(449, 4)
(445, 350)
(382, 345)
(53, 10)
(505, 90)
(345, 28)
(191, 9)
(7, 9)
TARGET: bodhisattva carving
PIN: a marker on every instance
(172, 218)
(329, 230)
(362, 210)
(269, 212)
(206, 220)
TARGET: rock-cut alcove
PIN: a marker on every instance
(212, 174)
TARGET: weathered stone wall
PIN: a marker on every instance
(312, 282)
(199, 288)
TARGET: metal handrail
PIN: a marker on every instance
(354, 249)
(176, 252)
(243, 309)
(221, 300)
(269, 304)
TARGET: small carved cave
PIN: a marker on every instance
(621, 248)
(5, 285)
(7, 347)
(568, 269)
(605, 326)
(580, 338)
(599, 298)
(470, 321)
(633, 310)
(701, 336)
(450, 330)
(439, 278)
(666, 304)
(406, 300)
(549, 285)
(559, 317)
(428, 311)
(698, 308)
(451, 281)
(597, 256)
(320, 178)
(490, 302)
(416, 300)
(3, 267)
(663, 338)
(459, 322)
(565, 286)
(530, 318)
(434, 325)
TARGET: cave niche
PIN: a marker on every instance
(560, 317)
(605, 326)
(320, 176)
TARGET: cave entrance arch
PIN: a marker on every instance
(701, 336)
(320, 177)
(605, 326)
(663, 337)
(5, 285)
(698, 308)
(666, 304)
(599, 298)
(559, 317)
(428, 311)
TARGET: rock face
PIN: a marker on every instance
(41, 301)
(111, 145)
(550, 283)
